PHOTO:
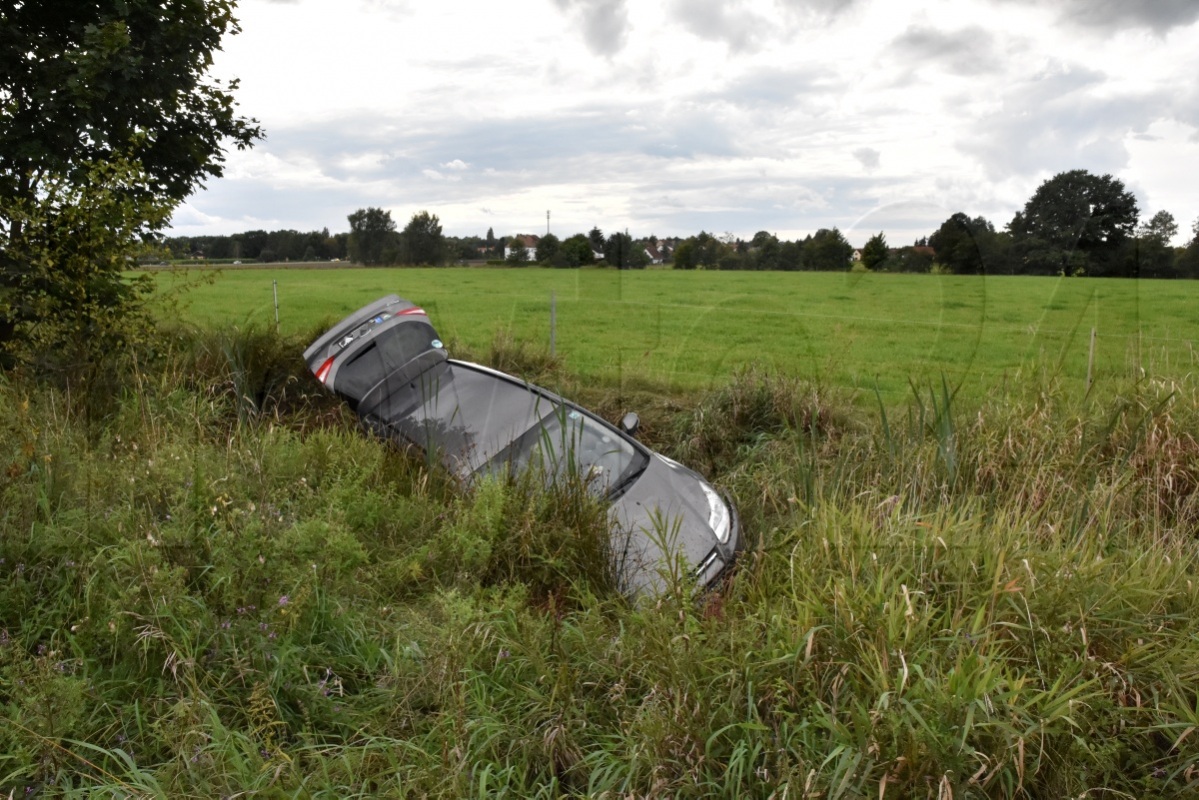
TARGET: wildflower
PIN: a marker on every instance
(284, 600)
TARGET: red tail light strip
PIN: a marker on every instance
(323, 371)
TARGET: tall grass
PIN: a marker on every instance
(221, 586)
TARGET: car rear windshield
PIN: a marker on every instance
(392, 349)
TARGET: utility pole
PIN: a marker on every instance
(547, 223)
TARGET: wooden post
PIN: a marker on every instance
(553, 321)
(275, 289)
(1091, 360)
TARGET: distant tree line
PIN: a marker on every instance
(1076, 223)
(284, 245)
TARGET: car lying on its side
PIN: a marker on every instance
(388, 363)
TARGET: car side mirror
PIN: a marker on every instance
(629, 423)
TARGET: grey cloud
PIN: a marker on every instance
(780, 88)
(721, 21)
(819, 12)
(580, 146)
(1158, 16)
(245, 204)
(734, 203)
(868, 157)
(1055, 122)
(603, 21)
(968, 51)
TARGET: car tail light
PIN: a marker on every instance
(323, 371)
(410, 311)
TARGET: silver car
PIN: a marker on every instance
(389, 364)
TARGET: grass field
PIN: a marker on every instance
(692, 330)
(213, 584)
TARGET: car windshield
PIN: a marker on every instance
(568, 442)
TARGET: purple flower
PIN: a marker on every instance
(284, 600)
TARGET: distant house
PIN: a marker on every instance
(655, 254)
(529, 241)
(857, 254)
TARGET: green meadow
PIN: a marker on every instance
(689, 330)
(213, 583)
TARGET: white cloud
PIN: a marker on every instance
(742, 115)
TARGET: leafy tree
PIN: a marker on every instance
(111, 82)
(1186, 263)
(790, 256)
(827, 250)
(1161, 228)
(908, 259)
(708, 250)
(685, 255)
(422, 240)
(1155, 258)
(618, 250)
(596, 237)
(875, 251)
(69, 301)
(372, 234)
(547, 248)
(963, 244)
(1075, 222)
(253, 243)
(518, 253)
(575, 252)
(490, 240)
(766, 251)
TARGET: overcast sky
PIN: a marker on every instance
(672, 116)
